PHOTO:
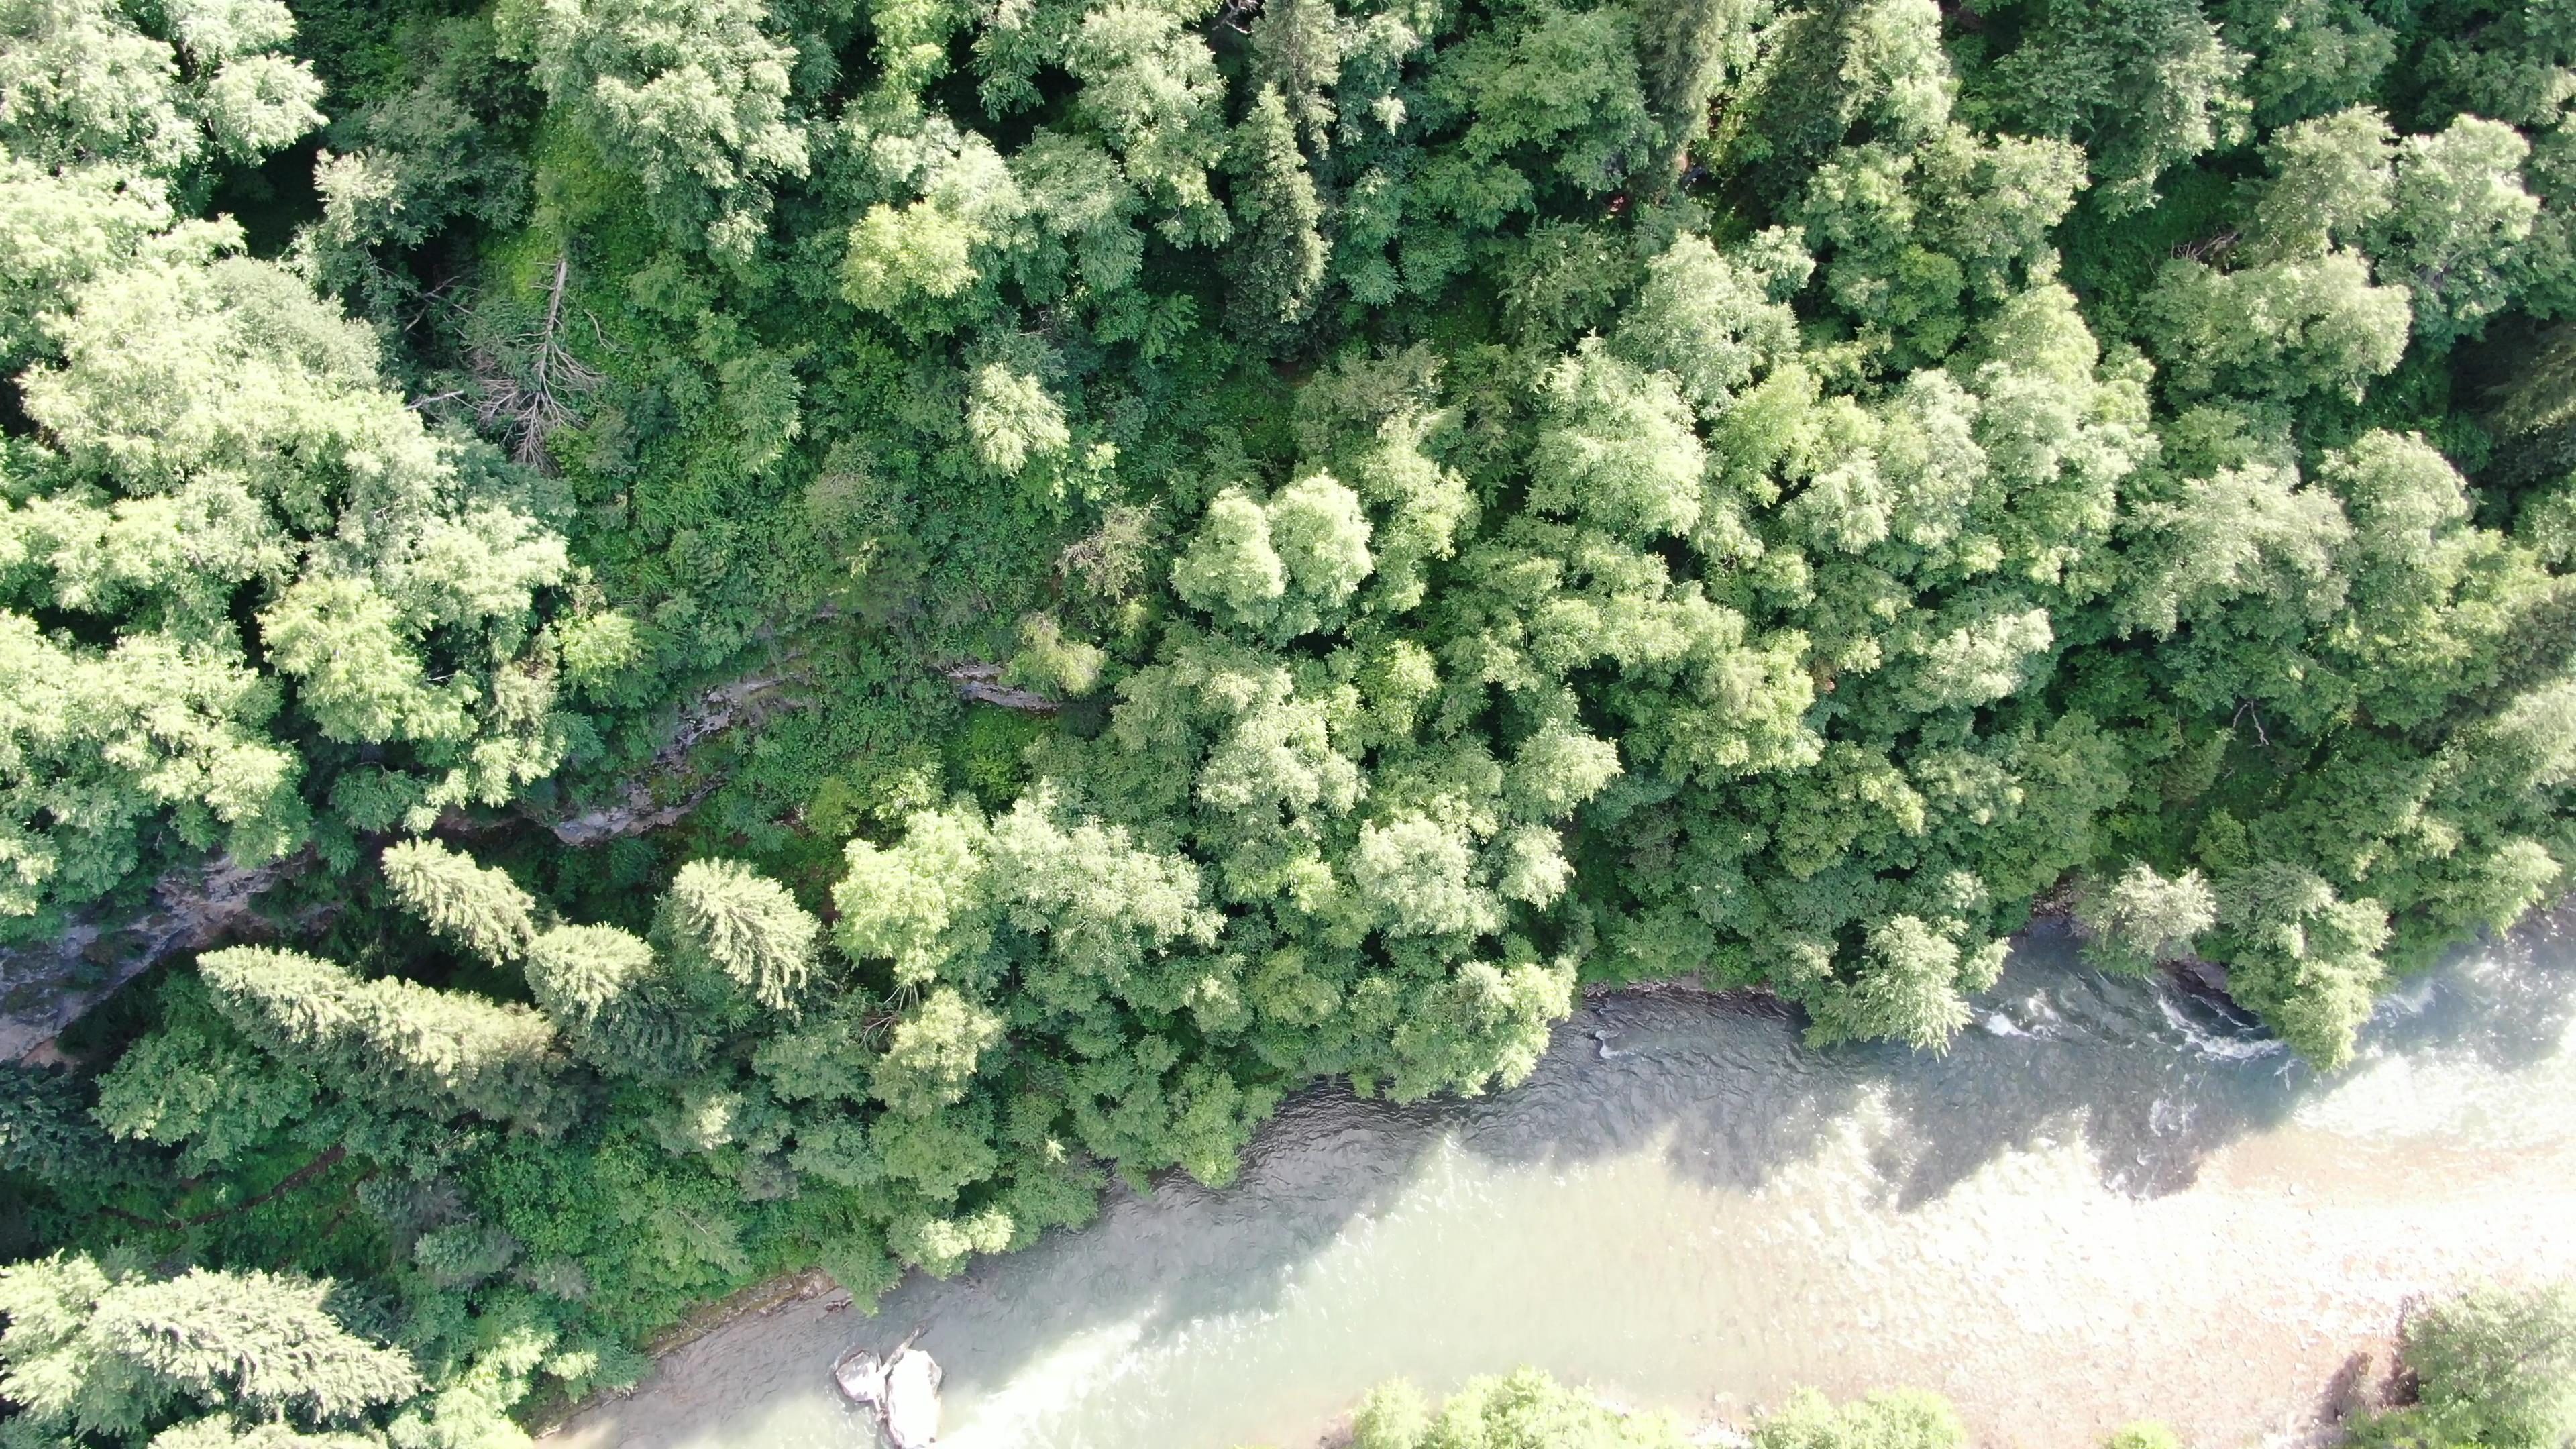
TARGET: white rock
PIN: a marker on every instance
(862, 1379)
(912, 1400)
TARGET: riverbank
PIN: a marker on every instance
(773, 1295)
(2107, 1203)
(812, 1285)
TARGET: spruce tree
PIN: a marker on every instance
(396, 1042)
(725, 915)
(1278, 259)
(1684, 51)
(613, 999)
(90, 1351)
(476, 907)
(260, 1341)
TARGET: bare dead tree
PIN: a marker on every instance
(2209, 248)
(527, 401)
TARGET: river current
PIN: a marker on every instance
(2109, 1200)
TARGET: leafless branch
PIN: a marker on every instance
(2202, 251)
(527, 402)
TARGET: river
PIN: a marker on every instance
(2110, 1200)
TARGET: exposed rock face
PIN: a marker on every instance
(660, 796)
(45, 987)
(2209, 977)
(982, 684)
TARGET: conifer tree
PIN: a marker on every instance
(258, 1340)
(1684, 53)
(476, 907)
(613, 1000)
(1298, 49)
(396, 1042)
(723, 915)
(90, 1351)
(1279, 254)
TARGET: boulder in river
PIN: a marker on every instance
(903, 1391)
(912, 1400)
(861, 1378)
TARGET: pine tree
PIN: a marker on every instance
(613, 999)
(1684, 52)
(400, 1043)
(88, 1351)
(1298, 47)
(258, 1340)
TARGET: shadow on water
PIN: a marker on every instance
(2153, 1079)
(2149, 1079)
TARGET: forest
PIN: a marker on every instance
(647, 643)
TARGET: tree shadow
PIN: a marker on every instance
(2347, 1396)
(2150, 1077)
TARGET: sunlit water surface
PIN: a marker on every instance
(2109, 1200)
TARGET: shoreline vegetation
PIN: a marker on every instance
(2490, 1368)
(650, 644)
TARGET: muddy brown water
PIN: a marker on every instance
(2110, 1200)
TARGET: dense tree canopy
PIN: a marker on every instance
(836, 620)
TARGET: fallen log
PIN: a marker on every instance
(981, 683)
